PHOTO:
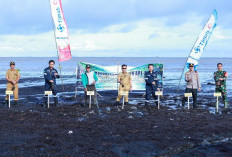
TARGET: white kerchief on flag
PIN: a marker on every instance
(61, 30)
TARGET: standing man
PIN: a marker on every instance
(193, 84)
(152, 84)
(12, 77)
(124, 78)
(89, 79)
(50, 76)
(220, 78)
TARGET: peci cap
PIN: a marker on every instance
(12, 63)
(191, 65)
(87, 66)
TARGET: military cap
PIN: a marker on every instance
(12, 63)
(191, 65)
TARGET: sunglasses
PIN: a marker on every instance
(123, 68)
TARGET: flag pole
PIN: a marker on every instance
(57, 51)
(186, 63)
(189, 56)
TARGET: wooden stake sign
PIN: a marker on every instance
(48, 93)
(188, 95)
(123, 93)
(90, 93)
(217, 95)
(159, 93)
(9, 93)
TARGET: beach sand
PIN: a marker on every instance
(72, 130)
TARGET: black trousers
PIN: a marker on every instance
(194, 93)
(54, 92)
(91, 88)
(150, 92)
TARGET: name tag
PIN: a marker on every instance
(47, 92)
(217, 94)
(90, 92)
(124, 93)
(158, 93)
(188, 94)
(9, 92)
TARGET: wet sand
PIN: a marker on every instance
(73, 130)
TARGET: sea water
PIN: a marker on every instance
(31, 69)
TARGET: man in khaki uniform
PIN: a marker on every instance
(125, 81)
(12, 77)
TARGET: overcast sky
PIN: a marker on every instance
(100, 28)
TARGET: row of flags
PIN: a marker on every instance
(63, 45)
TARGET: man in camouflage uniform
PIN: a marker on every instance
(220, 78)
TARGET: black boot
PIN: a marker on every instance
(156, 103)
(7, 102)
(85, 103)
(56, 102)
(45, 104)
(195, 104)
(183, 102)
(146, 103)
(96, 103)
(117, 103)
(16, 102)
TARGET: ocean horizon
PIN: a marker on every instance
(32, 67)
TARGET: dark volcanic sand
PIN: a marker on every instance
(73, 130)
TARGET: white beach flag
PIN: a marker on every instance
(202, 40)
(61, 30)
(200, 43)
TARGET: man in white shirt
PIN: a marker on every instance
(89, 79)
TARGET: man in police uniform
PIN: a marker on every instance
(193, 84)
(152, 83)
(50, 75)
(12, 77)
(124, 78)
(220, 78)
